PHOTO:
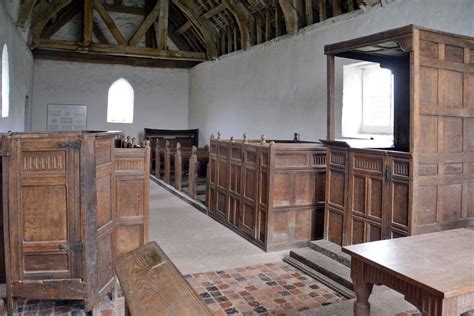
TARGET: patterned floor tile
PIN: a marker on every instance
(265, 289)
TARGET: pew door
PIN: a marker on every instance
(44, 217)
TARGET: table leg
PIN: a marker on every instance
(362, 288)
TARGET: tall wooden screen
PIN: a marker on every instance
(425, 182)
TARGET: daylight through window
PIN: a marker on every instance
(120, 102)
(5, 103)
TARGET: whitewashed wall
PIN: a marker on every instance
(161, 95)
(20, 63)
(279, 87)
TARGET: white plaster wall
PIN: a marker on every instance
(161, 95)
(20, 64)
(278, 88)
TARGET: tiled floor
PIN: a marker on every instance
(66, 308)
(264, 289)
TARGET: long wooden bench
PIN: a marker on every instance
(152, 285)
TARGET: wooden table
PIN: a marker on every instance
(434, 271)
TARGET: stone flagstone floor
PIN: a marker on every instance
(265, 289)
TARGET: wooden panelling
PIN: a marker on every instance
(62, 221)
(426, 185)
(272, 193)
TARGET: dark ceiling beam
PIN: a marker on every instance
(109, 22)
(162, 34)
(192, 12)
(26, 8)
(114, 50)
(67, 16)
(41, 15)
(243, 18)
(146, 24)
(290, 14)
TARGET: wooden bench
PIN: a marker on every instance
(152, 285)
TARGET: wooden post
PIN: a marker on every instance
(166, 175)
(178, 168)
(157, 159)
(192, 175)
(331, 130)
(322, 10)
(88, 22)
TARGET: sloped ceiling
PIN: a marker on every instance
(171, 33)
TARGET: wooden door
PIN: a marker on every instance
(44, 217)
(222, 181)
(398, 197)
(367, 189)
(335, 213)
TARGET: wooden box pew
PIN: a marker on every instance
(182, 165)
(271, 193)
(158, 138)
(72, 203)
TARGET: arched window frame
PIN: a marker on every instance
(5, 83)
(120, 102)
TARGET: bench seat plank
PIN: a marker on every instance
(152, 285)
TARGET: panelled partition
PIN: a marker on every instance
(424, 181)
(72, 203)
(271, 193)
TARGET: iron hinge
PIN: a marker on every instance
(73, 144)
(71, 247)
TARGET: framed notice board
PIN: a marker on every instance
(67, 117)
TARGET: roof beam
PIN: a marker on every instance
(26, 7)
(41, 16)
(98, 33)
(192, 12)
(71, 12)
(242, 16)
(162, 42)
(106, 49)
(88, 22)
(183, 28)
(146, 24)
(290, 14)
(216, 10)
(109, 23)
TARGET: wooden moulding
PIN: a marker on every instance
(270, 192)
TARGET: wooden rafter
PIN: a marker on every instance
(146, 24)
(243, 18)
(67, 16)
(41, 17)
(290, 14)
(183, 28)
(134, 51)
(216, 10)
(98, 33)
(109, 22)
(162, 41)
(26, 7)
(193, 14)
(88, 21)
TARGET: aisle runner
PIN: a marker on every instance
(272, 289)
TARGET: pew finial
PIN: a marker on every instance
(194, 149)
(212, 136)
(232, 139)
(263, 139)
(146, 143)
(218, 135)
(245, 138)
(178, 146)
